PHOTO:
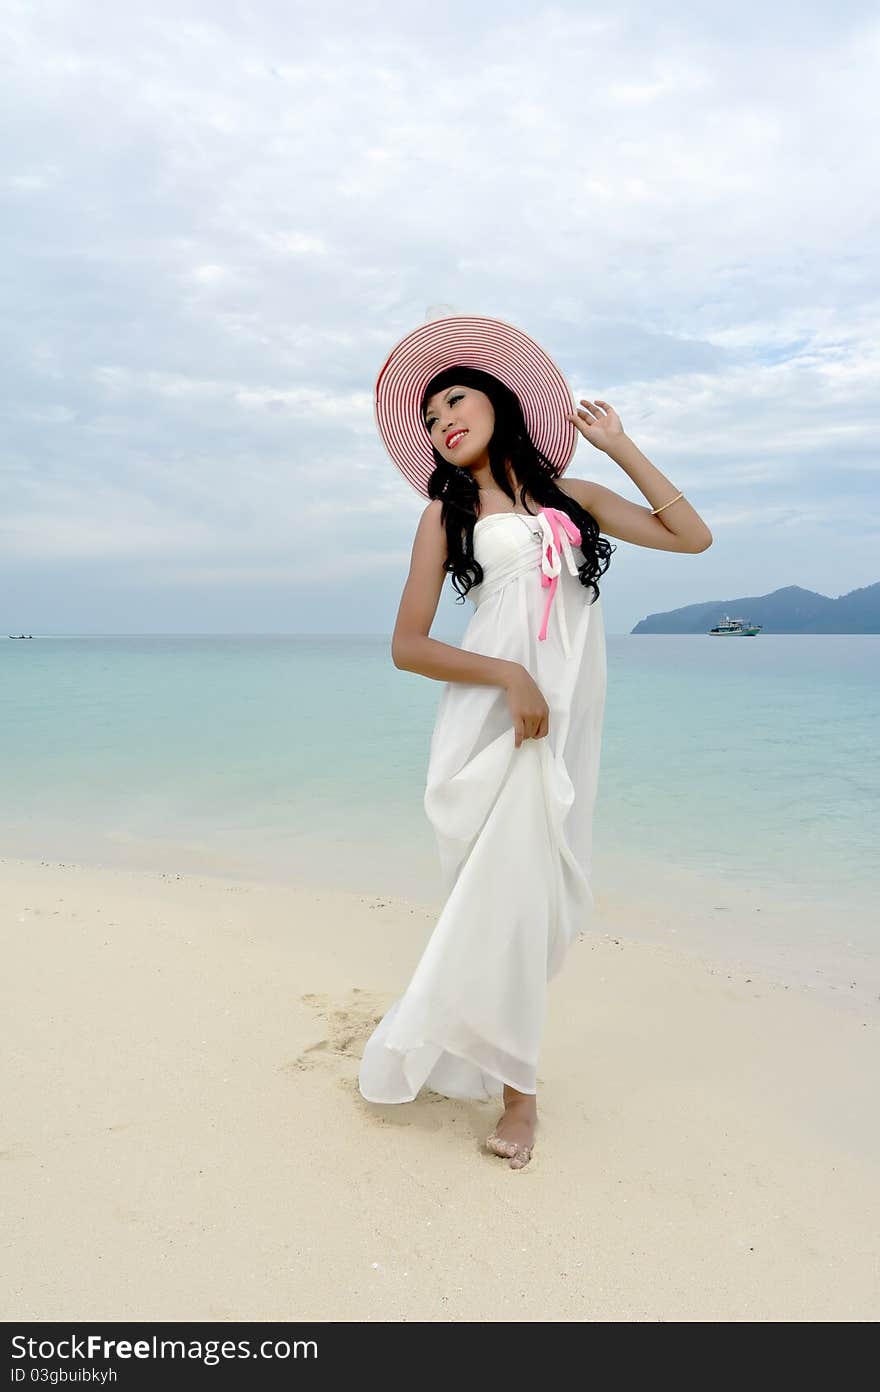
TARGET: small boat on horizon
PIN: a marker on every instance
(735, 628)
(20, 635)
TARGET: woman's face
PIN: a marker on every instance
(460, 422)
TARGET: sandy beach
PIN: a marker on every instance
(183, 1137)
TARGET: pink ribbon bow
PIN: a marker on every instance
(558, 533)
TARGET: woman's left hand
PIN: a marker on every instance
(601, 427)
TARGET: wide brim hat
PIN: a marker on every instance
(470, 340)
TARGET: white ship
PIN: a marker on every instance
(735, 628)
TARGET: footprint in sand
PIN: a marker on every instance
(347, 1025)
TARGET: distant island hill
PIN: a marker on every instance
(790, 610)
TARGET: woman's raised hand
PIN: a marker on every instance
(528, 709)
(601, 427)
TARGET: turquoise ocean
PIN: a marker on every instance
(738, 804)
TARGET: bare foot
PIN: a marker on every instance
(514, 1136)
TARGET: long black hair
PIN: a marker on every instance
(536, 475)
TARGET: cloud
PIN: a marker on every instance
(220, 222)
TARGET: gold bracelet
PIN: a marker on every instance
(654, 511)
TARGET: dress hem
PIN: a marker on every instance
(401, 1053)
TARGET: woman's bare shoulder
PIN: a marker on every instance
(431, 529)
(579, 489)
(430, 537)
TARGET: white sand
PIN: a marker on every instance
(184, 1139)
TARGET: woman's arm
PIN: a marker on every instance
(411, 648)
(677, 527)
(618, 517)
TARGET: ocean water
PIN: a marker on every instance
(738, 777)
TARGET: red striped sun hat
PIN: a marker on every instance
(470, 340)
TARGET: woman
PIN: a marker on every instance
(479, 419)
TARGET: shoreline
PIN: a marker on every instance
(741, 927)
(185, 1140)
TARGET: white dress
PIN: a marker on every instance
(513, 828)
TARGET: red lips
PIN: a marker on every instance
(453, 433)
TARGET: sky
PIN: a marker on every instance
(217, 219)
